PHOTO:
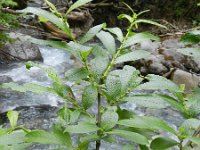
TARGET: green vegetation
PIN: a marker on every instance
(6, 20)
(104, 83)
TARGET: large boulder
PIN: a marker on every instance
(190, 80)
(19, 50)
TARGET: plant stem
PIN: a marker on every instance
(195, 134)
(180, 145)
(73, 101)
(104, 76)
(90, 73)
(98, 143)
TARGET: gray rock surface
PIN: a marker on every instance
(5, 79)
(19, 50)
(164, 57)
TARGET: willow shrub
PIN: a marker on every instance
(103, 83)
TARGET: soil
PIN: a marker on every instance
(177, 16)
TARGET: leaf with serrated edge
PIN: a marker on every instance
(163, 143)
(113, 85)
(109, 119)
(91, 33)
(117, 31)
(48, 16)
(43, 137)
(132, 56)
(132, 136)
(157, 82)
(140, 37)
(28, 87)
(108, 41)
(76, 74)
(15, 137)
(77, 4)
(89, 96)
(144, 122)
(150, 101)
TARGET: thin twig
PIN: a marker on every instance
(98, 143)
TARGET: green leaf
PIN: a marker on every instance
(91, 33)
(98, 66)
(132, 56)
(38, 89)
(143, 147)
(3, 131)
(150, 22)
(15, 137)
(50, 43)
(65, 114)
(99, 51)
(13, 117)
(51, 5)
(161, 143)
(192, 37)
(193, 101)
(132, 136)
(77, 4)
(193, 52)
(89, 96)
(43, 137)
(173, 102)
(21, 146)
(82, 127)
(144, 122)
(113, 85)
(195, 140)
(109, 138)
(124, 114)
(139, 37)
(40, 136)
(74, 116)
(150, 101)
(79, 50)
(99, 63)
(48, 16)
(189, 126)
(129, 78)
(128, 147)
(4, 147)
(108, 41)
(109, 119)
(50, 72)
(89, 138)
(125, 16)
(75, 74)
(117, 31)
(157, 82)
(63, 137)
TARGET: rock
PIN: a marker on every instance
(164, 57)
(182, 77)
(172, 44)
(5, 79)
(19, 50)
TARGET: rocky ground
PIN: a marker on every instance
(164, 60)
